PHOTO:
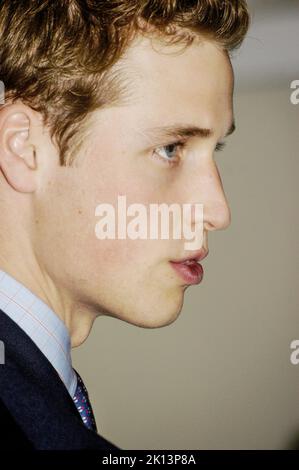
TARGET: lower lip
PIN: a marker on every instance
(191, 273)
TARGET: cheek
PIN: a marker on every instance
(118, 253)
(117, 261)
(101, 183)
(119, 169)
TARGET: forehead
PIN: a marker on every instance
(175, 80)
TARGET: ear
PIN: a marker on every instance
(17, 152)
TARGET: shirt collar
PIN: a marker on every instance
(42, 324)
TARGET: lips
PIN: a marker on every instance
(189, 268)
(197, 256)
(190, 271)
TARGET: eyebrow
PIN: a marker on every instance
(183, 131)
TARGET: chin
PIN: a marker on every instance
(158, 316)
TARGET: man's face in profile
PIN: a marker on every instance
(133, 279)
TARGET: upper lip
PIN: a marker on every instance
(197, 256)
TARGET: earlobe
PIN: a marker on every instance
(17, 153)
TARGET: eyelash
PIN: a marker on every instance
(181, 144)
(220, 146)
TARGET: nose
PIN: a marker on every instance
(207, 188)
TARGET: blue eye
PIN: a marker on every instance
(171, 152)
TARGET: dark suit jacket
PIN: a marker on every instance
(36, 410)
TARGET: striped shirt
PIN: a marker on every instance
(41, 324)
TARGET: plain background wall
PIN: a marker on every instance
(221, 376)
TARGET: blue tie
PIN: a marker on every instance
(83, 404)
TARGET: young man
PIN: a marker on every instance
(102, 99)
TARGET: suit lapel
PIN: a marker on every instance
(34, 394)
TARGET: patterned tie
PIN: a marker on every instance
(83, 404)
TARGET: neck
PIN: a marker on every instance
(77, 317)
